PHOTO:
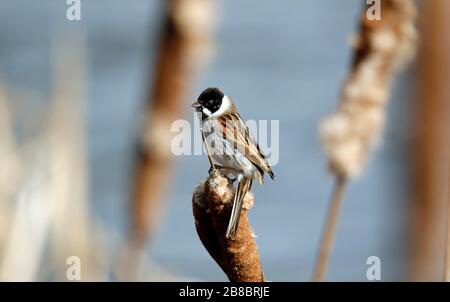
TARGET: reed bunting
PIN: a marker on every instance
(232, 148)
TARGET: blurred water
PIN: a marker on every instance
(278, 61)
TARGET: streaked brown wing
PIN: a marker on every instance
(238, 134)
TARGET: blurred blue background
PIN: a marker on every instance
(279, 60)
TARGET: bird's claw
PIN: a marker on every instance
(214, 171)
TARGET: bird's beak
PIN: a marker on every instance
(197, 106)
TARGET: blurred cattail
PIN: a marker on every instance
(9, 161)
(11, 164)
(348, 135)
(381, 48)
(185, 48)
(68, 167)
(47, 215)
(431, 145)
(212, 202)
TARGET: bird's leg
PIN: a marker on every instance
(214, 168)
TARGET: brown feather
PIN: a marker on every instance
(238, 134)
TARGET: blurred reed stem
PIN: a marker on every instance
(447, 237)
(46, 211)
(329, 231)
(431, 144)
(185, 47)
(349, 135)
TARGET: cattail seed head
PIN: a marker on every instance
(381, 48)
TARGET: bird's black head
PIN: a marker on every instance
(211, 99)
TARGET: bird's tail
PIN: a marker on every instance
(243, 187)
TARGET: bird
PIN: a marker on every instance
(232, 148)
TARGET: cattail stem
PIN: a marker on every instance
(447, 237)
(329, 231)
(381, 48)
(431, 144)
(212, 202)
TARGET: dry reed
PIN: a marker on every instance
(430, 148)
(348, 135)
(46, 212)
(447, 237)
(184, 50)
